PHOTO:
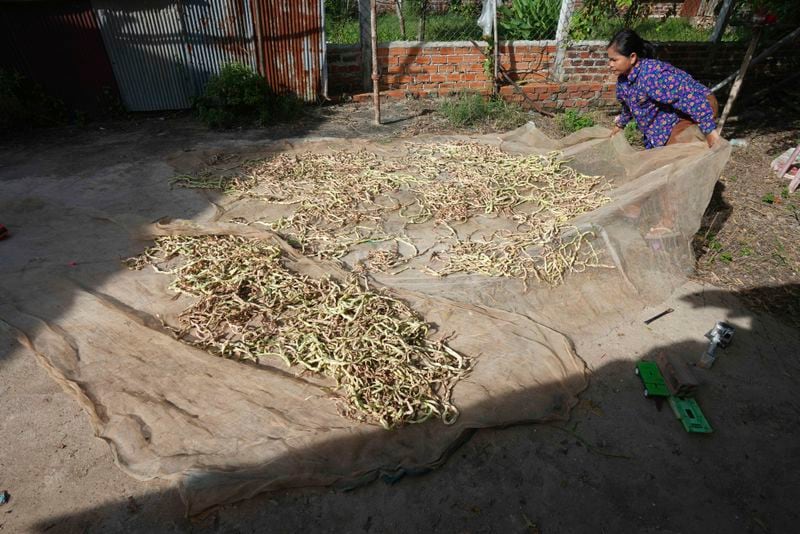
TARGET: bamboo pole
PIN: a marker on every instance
(737, 83)
(376, 77)
(496, 84)
(759, 58)
(722, 21)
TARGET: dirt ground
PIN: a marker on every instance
(621, 464)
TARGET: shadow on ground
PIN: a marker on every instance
(620, 464)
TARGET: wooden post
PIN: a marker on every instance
(364, 39)
(376, 77)
(737, 83)
(496, 80)
(562, 36)
(722, 21)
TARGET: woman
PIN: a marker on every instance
(662, 99)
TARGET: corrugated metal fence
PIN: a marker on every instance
(163, 52)
(58, 45)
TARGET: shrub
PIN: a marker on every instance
(237, 96)
(465, 109)
(469, 108)
(573, 120)
(24, 104)
(632, 133)
(529, 19)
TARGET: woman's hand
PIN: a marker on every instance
(615, 130)
(712, 138)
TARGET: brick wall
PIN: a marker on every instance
(344, 69)
(437, 69)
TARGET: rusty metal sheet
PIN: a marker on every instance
(217, 32)
(290, 45)
(164, 51)
(58, 45)
(146, 44)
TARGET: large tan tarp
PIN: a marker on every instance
(226, 431)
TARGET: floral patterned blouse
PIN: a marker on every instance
(658, 95)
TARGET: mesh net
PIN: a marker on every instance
(225, 430)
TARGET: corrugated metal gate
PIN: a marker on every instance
(164, 51)
(291, 45)
(58, 45)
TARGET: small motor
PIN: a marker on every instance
(718, 337)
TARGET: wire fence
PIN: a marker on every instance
(457, 20)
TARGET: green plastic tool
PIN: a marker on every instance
(653, 380)
(690, 415)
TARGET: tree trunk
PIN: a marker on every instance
(423, 13)
(398, 6)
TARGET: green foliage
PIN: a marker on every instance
(506, 115)
(454, 24)
(769, 198)
(465, 7)
(529, 19)
(632, 134)
(340, 9)
(465, 109)
(573, 120)
(469, 109)
(672, 29)
(24, 104)
(237, 96)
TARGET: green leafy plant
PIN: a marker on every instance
(714, 244)
(529, 19)
(465, 109)
(237, 96)
(506, 115)
(25, 104)
(470, 108)
(727, 257)
(573, 120)
(769, 198)
(632, 133)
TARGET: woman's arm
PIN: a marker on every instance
(622, 119)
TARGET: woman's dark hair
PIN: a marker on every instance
(628, 41)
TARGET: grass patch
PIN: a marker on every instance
(470, 109)
(438, 27)
(632, 134)
(573, 120)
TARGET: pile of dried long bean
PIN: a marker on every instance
(342, 200)
(251, 306)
